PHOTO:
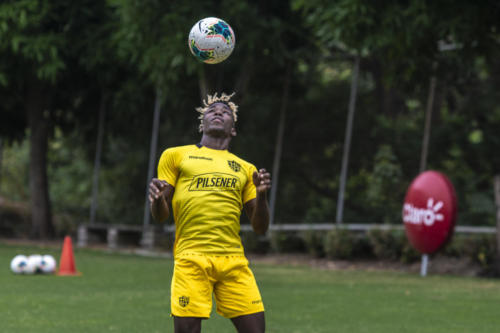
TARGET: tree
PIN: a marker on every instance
(153, 36)
(80, 52)
(39, 40)
(399, 44)
(30, 41)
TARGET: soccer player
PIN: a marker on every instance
(206, 188)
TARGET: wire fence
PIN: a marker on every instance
(353, 227)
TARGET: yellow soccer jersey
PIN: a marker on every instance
(211, 187)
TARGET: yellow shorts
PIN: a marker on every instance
(196, 277)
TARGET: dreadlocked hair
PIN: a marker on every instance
(211, 99)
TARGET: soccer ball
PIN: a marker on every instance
(211, 40)
(34, 264)
(18, 264)
(48, 264)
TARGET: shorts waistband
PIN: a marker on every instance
(216, 255)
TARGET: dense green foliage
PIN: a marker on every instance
(390, 245)
(127, 293)
(84, 55)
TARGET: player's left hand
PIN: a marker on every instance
(262, 180)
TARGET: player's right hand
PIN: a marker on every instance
(156, 189)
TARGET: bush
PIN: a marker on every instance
(456, 247)
(482, 250)
(15, 219)
(386, 244)
(287, 242)
(408, 252)
(314, 242)
(339, 244)
(362, 247)
(253, 243)
(392, 245)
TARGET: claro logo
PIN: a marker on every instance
(427, 216)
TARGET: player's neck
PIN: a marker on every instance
(217, 143)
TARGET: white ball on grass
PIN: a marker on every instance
(48, 264)
(19, 264)
(34, 264)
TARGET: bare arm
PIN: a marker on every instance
(160, 197)
(257, 209)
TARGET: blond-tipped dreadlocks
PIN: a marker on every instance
(226, 99)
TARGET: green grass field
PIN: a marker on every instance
(129, 293)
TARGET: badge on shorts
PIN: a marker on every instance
(183, 301)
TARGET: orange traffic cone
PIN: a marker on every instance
(67, 262)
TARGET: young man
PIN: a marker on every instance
(206, 187)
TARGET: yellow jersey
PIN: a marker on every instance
(211, 187)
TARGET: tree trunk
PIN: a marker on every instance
(497, 204)
(279, 143)
(1, 162)
(152, 154)
(41, 218)
(243, 78)
(202, 80)
(427, 126)
(97, 160)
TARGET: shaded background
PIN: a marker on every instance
(65, 65)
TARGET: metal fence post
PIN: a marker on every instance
(497, 204)
(347, 142)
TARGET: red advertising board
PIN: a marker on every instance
(429, 211)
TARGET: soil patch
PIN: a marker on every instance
(437, 264)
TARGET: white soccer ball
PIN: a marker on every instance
(34, 264)
(18, 264)
(211, 40)
(48, 264)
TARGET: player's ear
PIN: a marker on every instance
(233, 131)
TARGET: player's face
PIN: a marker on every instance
(218, 119)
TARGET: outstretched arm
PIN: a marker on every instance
(160, 197)
(257, 209)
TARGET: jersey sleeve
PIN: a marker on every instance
(168, 167)
(249, 191)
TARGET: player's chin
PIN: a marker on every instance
(217, 131)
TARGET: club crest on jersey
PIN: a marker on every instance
(234, 165)
(183, 301)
